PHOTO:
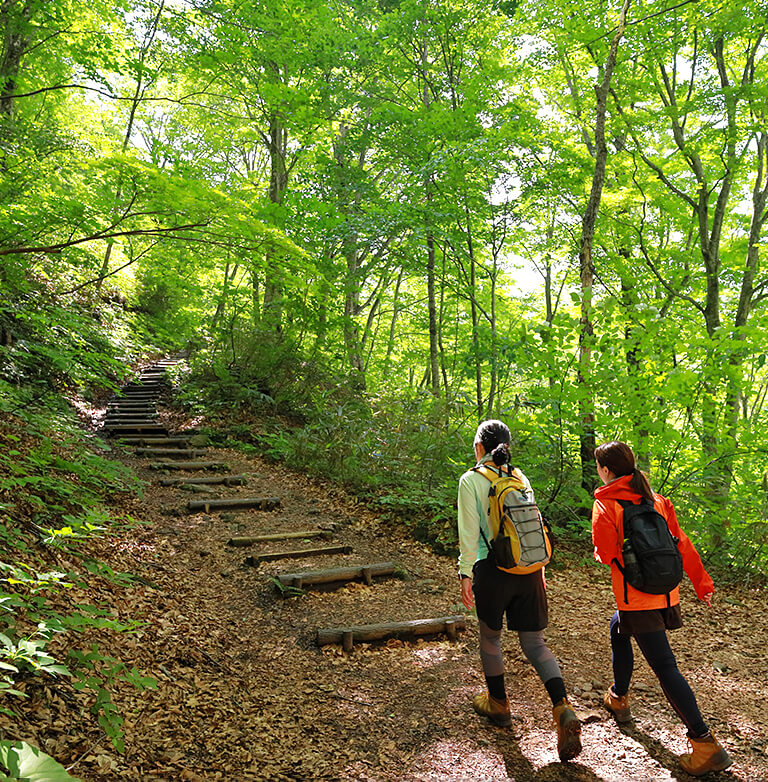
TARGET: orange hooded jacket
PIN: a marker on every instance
(608, 536)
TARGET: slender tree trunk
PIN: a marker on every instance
(440, 322)
(479, 402)
(494, 344)
(322, 314)
(638, 401)
(14, 46)
(434, 362)
(586, 266)
(393, 323)
(734, 394)
(348, 202)
(137, 95)
(221, 305)
(272, 300)
(351, 328)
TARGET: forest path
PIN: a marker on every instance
(244, 693)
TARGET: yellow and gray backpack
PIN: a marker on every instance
(522, 540)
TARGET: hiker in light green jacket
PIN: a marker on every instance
(496, 593)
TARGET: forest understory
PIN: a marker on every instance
(244, 692)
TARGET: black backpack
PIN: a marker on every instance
(652, 561)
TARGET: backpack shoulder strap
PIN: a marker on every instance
(488, 472)
(494, 477)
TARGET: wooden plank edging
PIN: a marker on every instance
(251, 539)
(245, 503)
(257, 559)
(414, 627)
(309, 577)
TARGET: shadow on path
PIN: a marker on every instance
(520, 769)
(669, 760)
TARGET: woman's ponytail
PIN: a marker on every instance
(501, 454)
(639, 483)
(494, 436)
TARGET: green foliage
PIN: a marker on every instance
(28, 653)
(330, 214)
(54, 481)
(288, 590)
(96, 672)
(23, 762)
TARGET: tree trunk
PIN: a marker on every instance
(586, 267)
(393, 323)
(479, 405)
(348, 201)
(638, 402)
(14, 46)
(434, 363)
(494, 344)
(272, 306)
(137, 95)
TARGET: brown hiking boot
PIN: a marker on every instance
(708, 755)
(568, 730)
(496, 711)
(618, 706)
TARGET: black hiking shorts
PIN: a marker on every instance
(522, 598)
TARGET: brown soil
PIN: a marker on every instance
(244, 693)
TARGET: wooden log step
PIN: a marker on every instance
(364, 572)
(251, 539)
(257, 559)
(174, 453)
(226, 480)
(143, 422)
(188, 466)
(113, 429)
(135, 423)
(260, 503)
(131, 417)
(180, 442)
(348, 636)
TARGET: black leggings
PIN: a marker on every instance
(656, 650)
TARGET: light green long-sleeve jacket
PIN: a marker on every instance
(473, 511)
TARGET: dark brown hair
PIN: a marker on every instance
(494, 436)
(620, 460)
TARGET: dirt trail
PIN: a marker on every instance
(244, 693)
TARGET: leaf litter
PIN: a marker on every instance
(244, 693)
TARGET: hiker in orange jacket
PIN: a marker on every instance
(646, 617)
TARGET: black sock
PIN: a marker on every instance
(556, 689)
(496, 687)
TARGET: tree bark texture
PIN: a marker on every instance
(586, 265)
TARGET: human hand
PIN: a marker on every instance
(467, 595)
(707, 598)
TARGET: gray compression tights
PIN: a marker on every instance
(532, 644)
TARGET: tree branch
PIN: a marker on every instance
(54, 249)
